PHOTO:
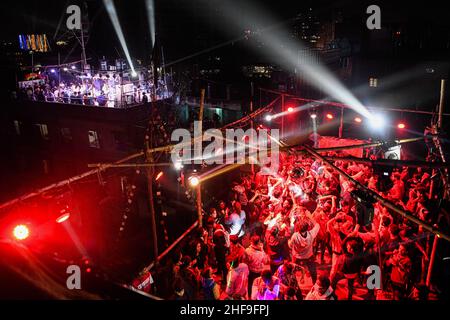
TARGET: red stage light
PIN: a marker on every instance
(290, 109)
(63, 218)
(357, 119)
(329, 116)
(401, 125)
(21, 232)
(88, 270)
(160, 174)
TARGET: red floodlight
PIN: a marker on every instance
(329, 116)
(290, 109)
(160, 174)
(358, 120)
(21, 232)
(63, 218)
(401, 125)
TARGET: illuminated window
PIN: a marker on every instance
(43, 130)
(17, 127)
(94, 142)
(66, 134)
(373, 82)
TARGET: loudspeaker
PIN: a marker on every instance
(364, 207)
(393, 153)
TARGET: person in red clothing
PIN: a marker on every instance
(144, 281)
(401, 269)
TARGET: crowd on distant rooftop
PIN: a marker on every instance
(105, 90)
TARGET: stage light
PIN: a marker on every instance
(268, 118)
(21, 232)
(134, 74)
(377, 121)
(290, 109)
(178, 165)
(313, 116)
(401, 125)
(286, 51)
(52, 70)
(358, 120)
(194, 181)
(65, 69)
(160, 174)
(73, 67)
(329, 116)
(63, 218)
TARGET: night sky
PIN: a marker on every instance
(186, 26)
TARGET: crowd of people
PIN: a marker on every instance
(297, 234)
(105, 90)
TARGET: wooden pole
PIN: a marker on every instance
(433, 257)
(199, 205)
(200, 115)
(150, 172)
(198, 188)
(282, 118)
(441, 103)
(252, 126)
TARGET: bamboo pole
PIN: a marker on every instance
(337, 104)
(66, 181)
(372, 144)
(432, 259)
(376, 196)
(392, 163)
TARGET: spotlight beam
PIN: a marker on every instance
(150, 6)
(111, 9)
(286, 53)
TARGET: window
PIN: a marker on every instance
(66, 134)
(93, 139)
(120, 140)
(43, 130)
(17, 125)
(373, 82)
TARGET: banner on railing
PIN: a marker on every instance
(330, 142)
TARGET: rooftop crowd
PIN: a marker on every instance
(295, 235)
(104, 90)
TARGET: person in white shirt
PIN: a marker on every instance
(236, 220)
(266, 287)
(321, 290)
(301, 244)
(256, 259)
(237, 279)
